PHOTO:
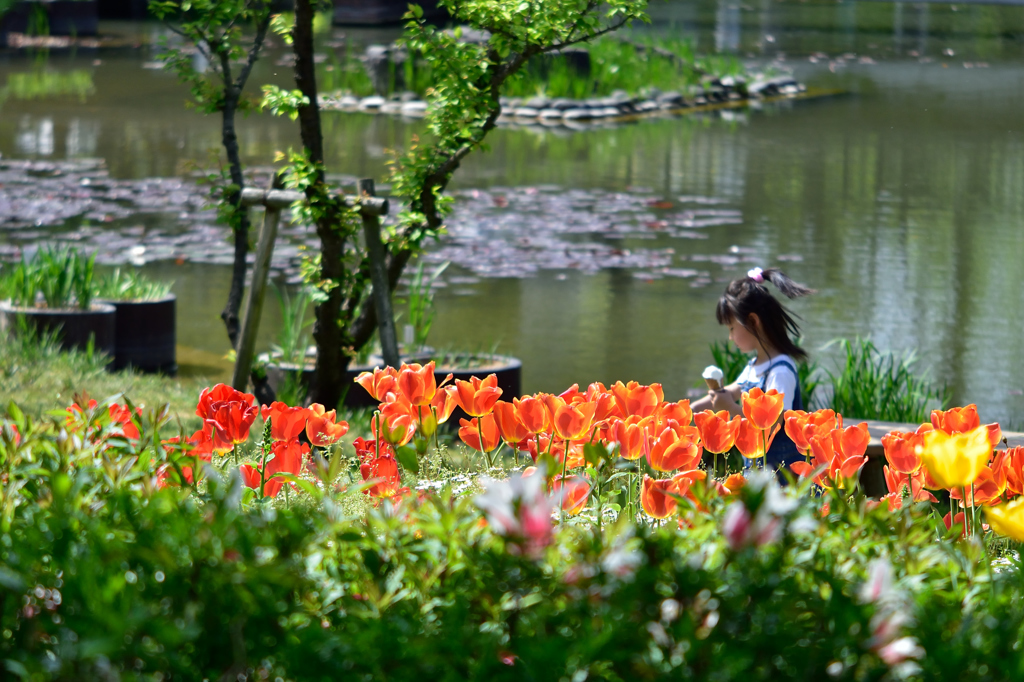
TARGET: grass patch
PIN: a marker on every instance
(37, 375)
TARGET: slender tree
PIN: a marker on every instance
(229, 35)
(463, 107)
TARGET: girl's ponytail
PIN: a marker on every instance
(788, 287)
(749, 295)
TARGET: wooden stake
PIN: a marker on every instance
(257, 292)
(379, 277)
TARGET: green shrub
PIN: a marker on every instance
(875, 385)
(110, 571)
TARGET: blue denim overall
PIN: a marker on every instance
(783, 451)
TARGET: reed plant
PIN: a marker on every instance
(871, 384)
(61, 277)
(131, 285)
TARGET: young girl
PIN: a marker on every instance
(758, 322)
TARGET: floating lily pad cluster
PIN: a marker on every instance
(496, 232)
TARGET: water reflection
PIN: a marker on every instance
(900, 203)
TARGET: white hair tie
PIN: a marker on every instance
(756, 274)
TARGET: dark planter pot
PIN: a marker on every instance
(381, 12)
(63, 18)
(75, 327)
(145, 335)
(509, 371)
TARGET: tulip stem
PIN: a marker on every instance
(561, 502)
(480, 432)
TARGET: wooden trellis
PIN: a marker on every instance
(274, 200)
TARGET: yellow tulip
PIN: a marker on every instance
(1008, 519)
(955, 461)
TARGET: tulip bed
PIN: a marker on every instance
(593, 539)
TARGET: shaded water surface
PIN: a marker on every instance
(600, 255)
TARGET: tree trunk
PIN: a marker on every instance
(240, 220)
(331, 361)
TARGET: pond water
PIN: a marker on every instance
(901, 202)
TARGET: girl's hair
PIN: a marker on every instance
(746, 295)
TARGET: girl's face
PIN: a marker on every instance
(744, 339)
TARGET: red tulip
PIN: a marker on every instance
(717, 431)
(121, 414)
(286, 459)
(286, 423)
(231, 422)
(382, 473)
(211, 398)
(476, 397)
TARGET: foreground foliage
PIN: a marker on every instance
(129, 556)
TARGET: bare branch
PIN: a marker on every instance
(254, 51)
(590, 36)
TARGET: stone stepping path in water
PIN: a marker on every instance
(583, 114)
(497, 232)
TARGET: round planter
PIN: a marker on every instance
(145, 335)
(509, 371)
(75, 327)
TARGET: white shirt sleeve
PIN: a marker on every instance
(782, 380)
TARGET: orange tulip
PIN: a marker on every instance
(532, 414)
(442, 406)
(763, 409)
(956, 420)
(750, 439)
(901, 451)
(671, 451)
(470, 430)
(852, 442)
(511, 430)
(734, 483)
(684, 482)
(395, 422)
(656, 497)
(1015, 471)
(286, 423)
(630, 436)
(379, 383)
(717, 431)
(800, 426)
(679, 412)
(607, 407)
(573, 422)
(477, 397)
(322, 429)
(637, 399)
(573, 494)
(896, 481)
(417, 383)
